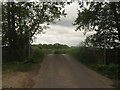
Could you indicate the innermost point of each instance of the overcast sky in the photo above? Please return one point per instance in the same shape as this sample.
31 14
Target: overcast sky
63 31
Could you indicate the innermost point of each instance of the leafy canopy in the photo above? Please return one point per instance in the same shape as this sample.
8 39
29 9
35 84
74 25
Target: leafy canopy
102 17
22 20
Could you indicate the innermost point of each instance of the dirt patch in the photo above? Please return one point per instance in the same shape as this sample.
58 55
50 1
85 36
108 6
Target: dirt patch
20 78
117 84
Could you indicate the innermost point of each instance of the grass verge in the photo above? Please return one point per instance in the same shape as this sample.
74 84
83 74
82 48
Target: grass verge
86 56
24 64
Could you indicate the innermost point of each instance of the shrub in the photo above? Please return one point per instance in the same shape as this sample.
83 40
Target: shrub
111 70
85 55
37 56
29 60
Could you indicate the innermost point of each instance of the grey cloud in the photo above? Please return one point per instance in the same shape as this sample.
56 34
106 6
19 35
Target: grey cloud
71 11
65 36
65 22
63 31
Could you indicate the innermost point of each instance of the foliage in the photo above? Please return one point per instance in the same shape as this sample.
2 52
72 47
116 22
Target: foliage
72 51
103 17
37 56
86 56
53 46
108 41
81 53
22 20
111 70
27 62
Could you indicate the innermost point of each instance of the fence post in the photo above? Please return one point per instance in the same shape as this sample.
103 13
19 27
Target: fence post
104 49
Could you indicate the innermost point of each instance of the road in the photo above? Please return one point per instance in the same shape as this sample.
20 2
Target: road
63 71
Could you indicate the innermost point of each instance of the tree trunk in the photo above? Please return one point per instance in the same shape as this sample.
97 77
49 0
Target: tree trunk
13 44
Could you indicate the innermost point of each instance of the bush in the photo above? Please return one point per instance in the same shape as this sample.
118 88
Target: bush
27 62
71 51
111 70
83 54
38 54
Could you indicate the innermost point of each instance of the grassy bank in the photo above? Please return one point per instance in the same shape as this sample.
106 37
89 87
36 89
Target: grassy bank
87 57
29 61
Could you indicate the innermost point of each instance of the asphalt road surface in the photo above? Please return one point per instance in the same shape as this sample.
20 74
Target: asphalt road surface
63 71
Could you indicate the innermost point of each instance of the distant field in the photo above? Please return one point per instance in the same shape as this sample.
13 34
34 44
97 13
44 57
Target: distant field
48 51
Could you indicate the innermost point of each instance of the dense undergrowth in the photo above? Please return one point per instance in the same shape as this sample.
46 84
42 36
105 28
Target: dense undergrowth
36 57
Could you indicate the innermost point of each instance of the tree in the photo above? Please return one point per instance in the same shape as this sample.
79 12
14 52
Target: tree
22 20
101 17
53 46
101 40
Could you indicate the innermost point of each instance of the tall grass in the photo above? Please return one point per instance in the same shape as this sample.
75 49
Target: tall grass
81 53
